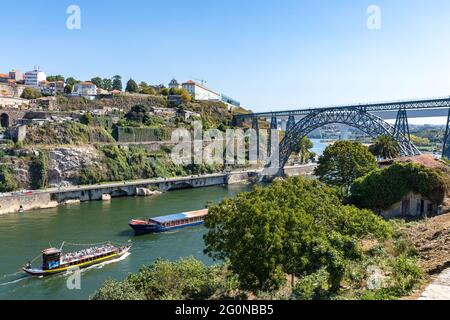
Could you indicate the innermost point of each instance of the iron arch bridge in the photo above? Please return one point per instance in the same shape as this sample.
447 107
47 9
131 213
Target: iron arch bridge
359 116
364 121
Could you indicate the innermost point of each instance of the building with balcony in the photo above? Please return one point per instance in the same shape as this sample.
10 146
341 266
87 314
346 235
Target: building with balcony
85 89
34 78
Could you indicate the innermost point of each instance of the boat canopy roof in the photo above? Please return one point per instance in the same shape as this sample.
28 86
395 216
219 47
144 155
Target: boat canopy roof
180 216
51 251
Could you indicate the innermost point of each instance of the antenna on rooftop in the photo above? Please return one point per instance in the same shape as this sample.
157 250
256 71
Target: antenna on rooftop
203 82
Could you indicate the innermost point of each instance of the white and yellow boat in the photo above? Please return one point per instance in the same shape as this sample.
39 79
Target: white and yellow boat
54 261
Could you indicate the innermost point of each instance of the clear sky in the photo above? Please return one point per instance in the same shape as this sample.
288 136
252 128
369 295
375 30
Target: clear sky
268 54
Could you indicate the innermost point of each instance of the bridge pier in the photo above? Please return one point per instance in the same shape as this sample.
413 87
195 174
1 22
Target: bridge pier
401 124
290 123
273 126
446 146
255 126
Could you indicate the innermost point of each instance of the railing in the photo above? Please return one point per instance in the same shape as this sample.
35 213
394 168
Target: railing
417 104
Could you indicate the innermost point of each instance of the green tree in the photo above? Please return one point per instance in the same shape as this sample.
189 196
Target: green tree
303 150
68 89
71 81
98 82
185 96
107 84
132 86
87 118
55 78
30 93
164 91
343 162
117 83
385 147
295 227
138 113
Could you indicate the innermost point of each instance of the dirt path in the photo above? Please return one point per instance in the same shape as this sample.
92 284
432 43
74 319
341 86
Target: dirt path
431 239
438 289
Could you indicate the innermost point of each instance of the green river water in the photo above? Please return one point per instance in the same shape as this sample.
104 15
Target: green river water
23 236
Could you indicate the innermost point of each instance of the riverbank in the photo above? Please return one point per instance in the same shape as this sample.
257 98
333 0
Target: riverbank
52 197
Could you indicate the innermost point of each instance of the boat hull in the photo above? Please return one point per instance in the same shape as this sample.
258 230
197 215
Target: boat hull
45 273
141 229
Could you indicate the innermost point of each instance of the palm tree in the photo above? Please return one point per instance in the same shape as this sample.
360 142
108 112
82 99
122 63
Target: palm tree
385 147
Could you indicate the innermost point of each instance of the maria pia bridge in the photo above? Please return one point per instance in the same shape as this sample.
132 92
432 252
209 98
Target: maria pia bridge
363 117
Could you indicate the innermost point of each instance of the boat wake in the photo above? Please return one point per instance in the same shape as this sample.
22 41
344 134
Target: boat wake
21 277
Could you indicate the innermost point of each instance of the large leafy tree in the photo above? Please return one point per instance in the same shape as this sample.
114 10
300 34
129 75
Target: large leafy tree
71 81
107 84
132 86
295 227
343 162
117 83
98 82
30 93
139 114
385 147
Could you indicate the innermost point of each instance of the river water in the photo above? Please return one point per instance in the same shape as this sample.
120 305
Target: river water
23 236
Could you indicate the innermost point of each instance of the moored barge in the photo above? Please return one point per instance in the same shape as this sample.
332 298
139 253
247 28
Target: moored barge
167 223
54 261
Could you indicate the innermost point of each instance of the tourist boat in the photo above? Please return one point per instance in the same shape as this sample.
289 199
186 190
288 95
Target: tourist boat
54 261
167 223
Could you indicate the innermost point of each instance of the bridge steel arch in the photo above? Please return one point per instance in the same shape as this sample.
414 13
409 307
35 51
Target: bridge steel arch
354 117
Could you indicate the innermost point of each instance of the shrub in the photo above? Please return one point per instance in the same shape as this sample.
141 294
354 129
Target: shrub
7 181
381 189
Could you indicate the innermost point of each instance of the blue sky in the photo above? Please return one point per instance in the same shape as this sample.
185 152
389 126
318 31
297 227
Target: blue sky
268 54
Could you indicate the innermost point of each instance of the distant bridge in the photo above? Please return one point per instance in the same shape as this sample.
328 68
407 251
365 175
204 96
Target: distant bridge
361 116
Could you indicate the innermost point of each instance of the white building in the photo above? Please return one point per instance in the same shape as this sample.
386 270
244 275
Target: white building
34 78
84 89
199 92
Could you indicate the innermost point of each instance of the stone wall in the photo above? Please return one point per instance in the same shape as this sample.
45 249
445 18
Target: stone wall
11 203
412 205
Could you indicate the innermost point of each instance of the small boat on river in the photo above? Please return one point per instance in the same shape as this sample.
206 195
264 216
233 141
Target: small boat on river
167 223
54 261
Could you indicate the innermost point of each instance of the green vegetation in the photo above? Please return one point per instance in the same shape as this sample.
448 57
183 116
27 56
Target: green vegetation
385 147
137 163
343 162
117 83
39 171
55 78
30 94
303 150
7 181
67 133
295 227
186 279
382 188
132 86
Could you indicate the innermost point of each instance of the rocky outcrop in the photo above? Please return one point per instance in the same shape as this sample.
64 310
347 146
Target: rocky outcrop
144 192
65 164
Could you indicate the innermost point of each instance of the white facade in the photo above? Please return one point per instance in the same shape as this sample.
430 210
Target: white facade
84 89
34 78
199 92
